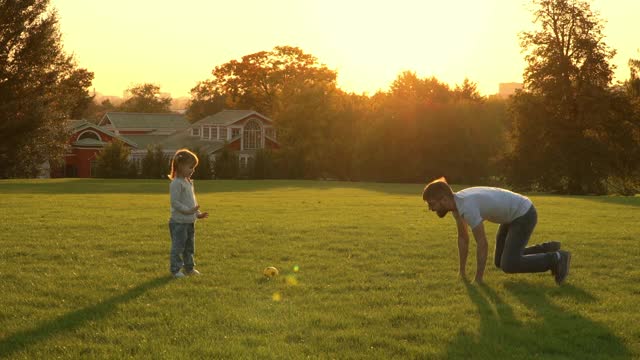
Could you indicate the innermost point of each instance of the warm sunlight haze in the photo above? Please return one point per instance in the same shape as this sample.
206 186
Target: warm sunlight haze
175 45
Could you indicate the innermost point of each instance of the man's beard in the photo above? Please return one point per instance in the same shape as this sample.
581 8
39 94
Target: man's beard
442 213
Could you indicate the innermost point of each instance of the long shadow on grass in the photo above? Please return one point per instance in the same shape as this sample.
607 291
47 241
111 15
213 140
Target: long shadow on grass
553 332
73 320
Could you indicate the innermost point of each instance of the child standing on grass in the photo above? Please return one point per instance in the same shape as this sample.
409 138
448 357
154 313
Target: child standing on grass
184 212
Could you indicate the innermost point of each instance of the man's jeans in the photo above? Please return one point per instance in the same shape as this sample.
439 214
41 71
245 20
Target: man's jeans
512 256
182 246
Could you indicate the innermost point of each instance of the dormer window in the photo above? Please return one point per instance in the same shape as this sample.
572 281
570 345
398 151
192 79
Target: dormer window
223 133
195 131
89 135
205 132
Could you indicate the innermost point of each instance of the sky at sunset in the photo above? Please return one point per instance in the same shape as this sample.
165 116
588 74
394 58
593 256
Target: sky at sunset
175 44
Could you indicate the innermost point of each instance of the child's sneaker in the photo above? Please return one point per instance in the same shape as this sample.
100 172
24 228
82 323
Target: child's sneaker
193 272
178 275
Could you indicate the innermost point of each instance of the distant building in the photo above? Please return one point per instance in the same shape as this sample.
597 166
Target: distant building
84 144
507 89
243 131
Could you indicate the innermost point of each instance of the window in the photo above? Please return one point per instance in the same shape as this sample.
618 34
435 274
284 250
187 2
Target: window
205 132
195 131
252 135
214 133
223 133
89 135
235 132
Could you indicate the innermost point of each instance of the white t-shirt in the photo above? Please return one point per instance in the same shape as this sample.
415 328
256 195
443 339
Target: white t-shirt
496 205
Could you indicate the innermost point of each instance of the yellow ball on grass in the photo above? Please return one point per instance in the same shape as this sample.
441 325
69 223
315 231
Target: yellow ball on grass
270 272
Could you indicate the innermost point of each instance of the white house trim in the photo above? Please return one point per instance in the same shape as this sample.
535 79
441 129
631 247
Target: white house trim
89 131
261 132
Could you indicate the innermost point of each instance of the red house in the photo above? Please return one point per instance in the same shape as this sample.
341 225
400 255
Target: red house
85 142
244 131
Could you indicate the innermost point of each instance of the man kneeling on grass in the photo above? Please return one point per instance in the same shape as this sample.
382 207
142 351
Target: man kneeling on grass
517 217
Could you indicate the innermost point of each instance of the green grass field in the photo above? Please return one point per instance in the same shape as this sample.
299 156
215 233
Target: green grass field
85 275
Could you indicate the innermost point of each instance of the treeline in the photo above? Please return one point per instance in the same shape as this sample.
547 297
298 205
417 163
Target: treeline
114 161
419 129
570 131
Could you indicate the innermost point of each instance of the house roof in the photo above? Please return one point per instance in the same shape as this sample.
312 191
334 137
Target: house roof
156 121
89 143
145 140
184 139
128 120
77 126
227 117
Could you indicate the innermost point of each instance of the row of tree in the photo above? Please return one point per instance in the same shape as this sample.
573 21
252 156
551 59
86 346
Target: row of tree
570 131
141 98
115 162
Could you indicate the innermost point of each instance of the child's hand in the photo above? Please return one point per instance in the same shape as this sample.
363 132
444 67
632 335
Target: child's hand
195 209
203 215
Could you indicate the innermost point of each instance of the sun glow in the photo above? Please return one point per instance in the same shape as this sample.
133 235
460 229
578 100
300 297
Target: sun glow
175 45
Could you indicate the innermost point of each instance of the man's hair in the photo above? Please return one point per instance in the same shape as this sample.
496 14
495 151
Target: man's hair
182 156
437 189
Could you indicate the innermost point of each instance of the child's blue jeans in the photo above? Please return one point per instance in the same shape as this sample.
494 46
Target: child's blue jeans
182 246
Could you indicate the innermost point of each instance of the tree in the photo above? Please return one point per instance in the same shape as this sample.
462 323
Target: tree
304 132
155 164
467 91
625 148
567 79
203 170
145 98
633 84
95 112
262 165
113 160
258 81
132 170
77 101
226 165
40 88
205 100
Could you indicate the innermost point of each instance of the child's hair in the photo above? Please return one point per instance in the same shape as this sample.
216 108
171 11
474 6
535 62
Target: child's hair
182 156
437 189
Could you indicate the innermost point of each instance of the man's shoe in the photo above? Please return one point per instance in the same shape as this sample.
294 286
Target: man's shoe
562 267
193 272
551 246
178 275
